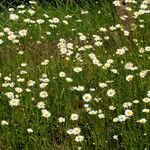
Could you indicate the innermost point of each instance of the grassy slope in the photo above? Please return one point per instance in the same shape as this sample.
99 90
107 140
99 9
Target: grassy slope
49 134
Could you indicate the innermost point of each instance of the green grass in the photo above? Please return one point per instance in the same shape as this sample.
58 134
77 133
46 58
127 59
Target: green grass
49 133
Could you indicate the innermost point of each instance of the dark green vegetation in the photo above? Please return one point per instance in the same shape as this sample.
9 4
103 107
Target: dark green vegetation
55 42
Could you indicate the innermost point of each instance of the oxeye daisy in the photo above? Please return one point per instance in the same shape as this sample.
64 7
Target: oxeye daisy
14 102
79 138
61 119
128 112
29 130
111 92
46 113
18 90
14 17
142 121
41 105
122 118
87 97
76 131
3 122
43 94
74 117
62 74
129 77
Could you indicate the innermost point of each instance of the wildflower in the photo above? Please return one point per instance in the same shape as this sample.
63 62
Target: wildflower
15 41
116 3
11 9
14 17
84 12
40 21
122 118
143 120
145 110
74 117
70 131
7 78
98 43
21 80
62 74
126 33
120 51
68 16
129 66
147 48
141 50
45 62
114 71
127 104
115 137
45 80
143 73
136 101
61 119
48 33
14 102
31 83
46 16
101 116
6 29
92 89
92 112
115 120
29 130
128 112
28 90
82 37
79 138
77 69
76 131
18 90
69 79
112 28
146 100
43 94
1 34
111 93
106 37
12 37
1 41
23 65
20 6
103 29
56 20
23 72
41 105
32 2
3 122
87 97
10 95
148 93
23 33
129 77
102 85
112 108
46 113
43 85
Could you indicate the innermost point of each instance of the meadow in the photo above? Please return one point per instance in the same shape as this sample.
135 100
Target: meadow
75 77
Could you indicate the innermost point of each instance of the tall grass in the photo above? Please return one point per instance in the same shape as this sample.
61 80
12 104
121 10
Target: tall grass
86 54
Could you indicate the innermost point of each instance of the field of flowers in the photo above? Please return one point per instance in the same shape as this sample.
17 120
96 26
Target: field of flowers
75 78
